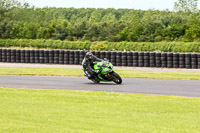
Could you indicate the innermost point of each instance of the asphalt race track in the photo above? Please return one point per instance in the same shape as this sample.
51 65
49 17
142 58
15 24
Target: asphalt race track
188 88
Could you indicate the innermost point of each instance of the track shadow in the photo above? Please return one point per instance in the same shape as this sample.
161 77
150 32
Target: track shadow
102 83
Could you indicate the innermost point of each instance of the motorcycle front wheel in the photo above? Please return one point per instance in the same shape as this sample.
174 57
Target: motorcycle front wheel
95 80
116 78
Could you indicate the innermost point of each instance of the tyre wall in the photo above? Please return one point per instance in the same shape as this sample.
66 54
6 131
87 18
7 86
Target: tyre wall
131 59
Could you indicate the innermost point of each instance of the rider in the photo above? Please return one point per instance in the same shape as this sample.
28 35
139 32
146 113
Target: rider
88 63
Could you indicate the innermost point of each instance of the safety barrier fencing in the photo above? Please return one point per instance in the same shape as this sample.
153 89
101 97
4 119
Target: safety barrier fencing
131 59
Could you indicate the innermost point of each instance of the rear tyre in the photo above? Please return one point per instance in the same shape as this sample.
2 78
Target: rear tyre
116 78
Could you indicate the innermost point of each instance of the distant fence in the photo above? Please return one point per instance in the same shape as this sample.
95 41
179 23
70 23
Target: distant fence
132 59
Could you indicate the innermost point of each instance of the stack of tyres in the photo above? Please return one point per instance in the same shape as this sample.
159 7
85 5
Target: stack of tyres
27 56
56 57
66 57
46 56
51 56
71 57
198 60
194 61
37 56
175 60
129 59
4 55
146 59
97 54
32 56
169 60
188 60
41 56
124 58
81 56
18 58
0 55
76 57
181 60
135 59
113 58
61 57
13 55
158 59
141 59
102 54
164 60
118 59
152 59
108 55
22 55
8 55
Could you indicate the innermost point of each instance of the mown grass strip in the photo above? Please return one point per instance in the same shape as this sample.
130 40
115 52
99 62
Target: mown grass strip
25 110
79 73
40 71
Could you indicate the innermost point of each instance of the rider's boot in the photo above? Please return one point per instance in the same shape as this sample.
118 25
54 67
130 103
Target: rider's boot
85 73
89 76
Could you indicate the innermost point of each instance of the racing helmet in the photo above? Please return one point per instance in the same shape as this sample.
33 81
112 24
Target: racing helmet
89 55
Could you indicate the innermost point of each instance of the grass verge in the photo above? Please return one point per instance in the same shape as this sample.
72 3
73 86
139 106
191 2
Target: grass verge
79 73
25 110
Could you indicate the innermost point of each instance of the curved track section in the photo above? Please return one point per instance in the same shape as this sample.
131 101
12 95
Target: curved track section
188 88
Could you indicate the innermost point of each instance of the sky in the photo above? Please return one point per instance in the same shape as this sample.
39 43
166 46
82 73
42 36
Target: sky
130 4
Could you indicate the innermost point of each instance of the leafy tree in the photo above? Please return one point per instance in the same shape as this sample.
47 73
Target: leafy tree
186 5
123 35
43 33
24 21
192 29
59 29
5 28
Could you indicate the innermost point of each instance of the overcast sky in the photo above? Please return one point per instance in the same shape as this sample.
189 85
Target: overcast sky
130 4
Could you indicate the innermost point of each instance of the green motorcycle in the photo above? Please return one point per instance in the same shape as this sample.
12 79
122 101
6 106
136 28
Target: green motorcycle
106 72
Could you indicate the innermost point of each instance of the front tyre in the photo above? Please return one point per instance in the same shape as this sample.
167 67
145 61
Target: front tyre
116 78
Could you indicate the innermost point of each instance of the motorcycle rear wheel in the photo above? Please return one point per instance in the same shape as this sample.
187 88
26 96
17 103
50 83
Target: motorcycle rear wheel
116 78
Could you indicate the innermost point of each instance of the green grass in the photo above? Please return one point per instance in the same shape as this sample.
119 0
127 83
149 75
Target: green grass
79 73
25 110
40 71
159 74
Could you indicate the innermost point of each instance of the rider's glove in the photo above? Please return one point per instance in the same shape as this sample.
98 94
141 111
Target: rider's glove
98 71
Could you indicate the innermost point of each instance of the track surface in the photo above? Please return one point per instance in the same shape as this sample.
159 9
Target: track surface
188 88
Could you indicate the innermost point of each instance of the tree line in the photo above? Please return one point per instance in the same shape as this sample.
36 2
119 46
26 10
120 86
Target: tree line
22 21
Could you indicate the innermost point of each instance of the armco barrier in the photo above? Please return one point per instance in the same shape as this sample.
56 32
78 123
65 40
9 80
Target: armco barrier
132 59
